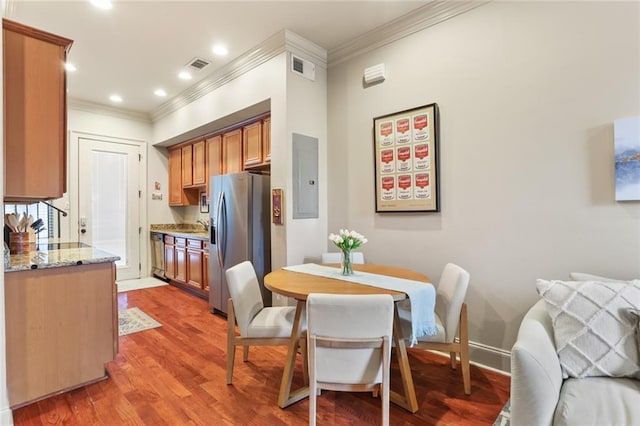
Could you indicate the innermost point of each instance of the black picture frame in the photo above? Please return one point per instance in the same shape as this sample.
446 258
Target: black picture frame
406 160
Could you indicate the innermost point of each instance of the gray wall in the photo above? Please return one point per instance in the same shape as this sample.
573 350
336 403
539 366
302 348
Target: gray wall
528 93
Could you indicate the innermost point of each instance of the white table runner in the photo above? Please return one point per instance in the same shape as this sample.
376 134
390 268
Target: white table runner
422 296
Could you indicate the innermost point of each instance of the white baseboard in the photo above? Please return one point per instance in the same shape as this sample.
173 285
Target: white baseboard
6 417
487 357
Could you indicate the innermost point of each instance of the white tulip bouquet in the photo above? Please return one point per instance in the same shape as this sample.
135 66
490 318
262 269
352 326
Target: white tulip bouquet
346 241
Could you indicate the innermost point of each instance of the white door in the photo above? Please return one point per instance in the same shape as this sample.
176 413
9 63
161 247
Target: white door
109 201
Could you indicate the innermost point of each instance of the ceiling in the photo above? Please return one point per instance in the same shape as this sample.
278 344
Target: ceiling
139 46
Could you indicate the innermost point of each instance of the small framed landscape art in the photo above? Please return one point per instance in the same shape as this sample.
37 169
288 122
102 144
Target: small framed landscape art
406 149
627 153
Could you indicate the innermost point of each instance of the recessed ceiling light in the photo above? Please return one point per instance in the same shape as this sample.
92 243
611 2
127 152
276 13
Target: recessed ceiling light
70 67
102 4
160 92
184 75
220 50
115 98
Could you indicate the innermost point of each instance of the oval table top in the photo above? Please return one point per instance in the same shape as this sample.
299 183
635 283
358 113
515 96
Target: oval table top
299 285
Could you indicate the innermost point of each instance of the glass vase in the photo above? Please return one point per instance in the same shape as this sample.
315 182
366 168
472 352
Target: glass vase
347 268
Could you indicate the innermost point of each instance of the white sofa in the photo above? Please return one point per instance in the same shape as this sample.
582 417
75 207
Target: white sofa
540 396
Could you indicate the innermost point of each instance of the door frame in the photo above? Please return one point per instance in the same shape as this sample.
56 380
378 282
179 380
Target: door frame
74 196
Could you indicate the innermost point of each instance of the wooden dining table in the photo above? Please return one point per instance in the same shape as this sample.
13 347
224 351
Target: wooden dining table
299 285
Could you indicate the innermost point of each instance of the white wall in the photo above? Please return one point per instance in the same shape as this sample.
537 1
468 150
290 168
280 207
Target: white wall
114 127
269 81
528 93
307 115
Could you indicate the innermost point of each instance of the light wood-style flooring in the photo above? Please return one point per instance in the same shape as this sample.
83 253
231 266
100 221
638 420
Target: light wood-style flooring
175 375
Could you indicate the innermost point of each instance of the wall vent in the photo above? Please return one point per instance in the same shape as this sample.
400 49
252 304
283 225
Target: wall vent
303 67
198 63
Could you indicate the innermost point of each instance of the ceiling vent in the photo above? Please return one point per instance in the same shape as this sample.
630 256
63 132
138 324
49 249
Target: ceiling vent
197 64
303 67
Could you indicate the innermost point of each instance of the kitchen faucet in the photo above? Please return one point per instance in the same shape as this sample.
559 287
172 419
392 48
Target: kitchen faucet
204 224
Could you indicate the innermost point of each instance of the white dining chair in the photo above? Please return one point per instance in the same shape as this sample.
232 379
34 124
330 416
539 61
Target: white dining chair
451 315
258 325
349 342
357 257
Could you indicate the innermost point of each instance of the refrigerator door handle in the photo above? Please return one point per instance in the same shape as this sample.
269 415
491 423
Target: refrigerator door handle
220 230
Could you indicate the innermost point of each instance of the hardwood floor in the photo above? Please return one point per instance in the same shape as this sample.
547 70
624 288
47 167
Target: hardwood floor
175 374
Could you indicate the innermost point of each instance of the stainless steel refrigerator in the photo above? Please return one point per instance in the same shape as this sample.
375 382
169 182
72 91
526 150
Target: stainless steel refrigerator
240 230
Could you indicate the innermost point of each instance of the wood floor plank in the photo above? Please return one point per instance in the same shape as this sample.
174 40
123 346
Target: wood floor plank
175 375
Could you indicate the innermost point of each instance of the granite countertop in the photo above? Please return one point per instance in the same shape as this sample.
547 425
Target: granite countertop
185 230
55 255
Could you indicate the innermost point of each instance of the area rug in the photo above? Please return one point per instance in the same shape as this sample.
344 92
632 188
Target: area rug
147 282
133 320
504 418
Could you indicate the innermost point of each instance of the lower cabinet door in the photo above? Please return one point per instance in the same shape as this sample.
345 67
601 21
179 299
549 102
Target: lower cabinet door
181 265
195 268
170 261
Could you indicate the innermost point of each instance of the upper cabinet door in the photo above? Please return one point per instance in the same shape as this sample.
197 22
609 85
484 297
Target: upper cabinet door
232 152
175 177
187 166
199 172
266 139
214 158
252 144
35 113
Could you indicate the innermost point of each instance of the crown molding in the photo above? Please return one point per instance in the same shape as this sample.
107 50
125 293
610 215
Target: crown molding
86 106
278 43
297 44
424 17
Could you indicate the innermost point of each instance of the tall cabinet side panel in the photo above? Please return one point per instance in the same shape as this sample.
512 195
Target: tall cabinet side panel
261 232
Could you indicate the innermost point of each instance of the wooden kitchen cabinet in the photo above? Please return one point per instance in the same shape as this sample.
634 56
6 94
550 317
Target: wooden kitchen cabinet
256 138
35 113
187 165
252 144
178 195
186 264
175 177
61 329
198 163
181 260
214 159
169 257
266 140
195 260
193 164
232 152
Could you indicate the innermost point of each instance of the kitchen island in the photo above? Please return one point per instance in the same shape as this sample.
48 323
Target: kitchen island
61 320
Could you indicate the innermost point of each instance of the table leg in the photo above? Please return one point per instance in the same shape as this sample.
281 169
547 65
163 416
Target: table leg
408 400
286 397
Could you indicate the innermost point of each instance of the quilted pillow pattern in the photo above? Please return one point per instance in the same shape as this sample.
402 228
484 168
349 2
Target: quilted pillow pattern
593 329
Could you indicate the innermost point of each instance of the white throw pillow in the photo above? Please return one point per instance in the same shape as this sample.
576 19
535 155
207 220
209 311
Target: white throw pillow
581 276
593 328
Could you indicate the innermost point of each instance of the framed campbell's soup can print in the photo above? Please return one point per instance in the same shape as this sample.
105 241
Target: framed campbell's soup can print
406 149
